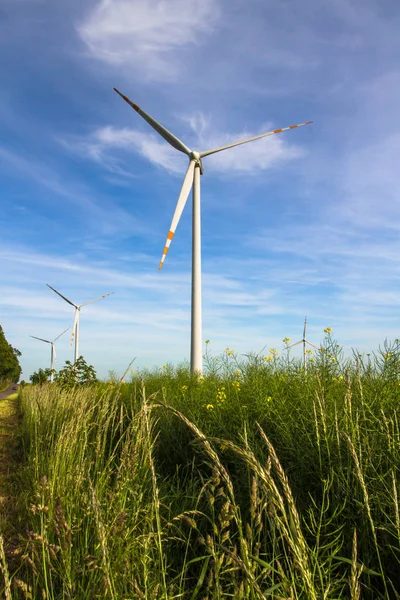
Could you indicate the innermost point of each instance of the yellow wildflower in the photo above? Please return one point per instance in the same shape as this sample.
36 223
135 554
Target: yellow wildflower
328 330
273 351
286 340
221 395
308 351
209 407
184 388
388 355
207 341
268 358
236 385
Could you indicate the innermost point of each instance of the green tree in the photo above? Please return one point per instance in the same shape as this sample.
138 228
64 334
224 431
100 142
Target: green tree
41 376
79 373
10 369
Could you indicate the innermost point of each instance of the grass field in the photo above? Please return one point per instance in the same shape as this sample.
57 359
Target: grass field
256 481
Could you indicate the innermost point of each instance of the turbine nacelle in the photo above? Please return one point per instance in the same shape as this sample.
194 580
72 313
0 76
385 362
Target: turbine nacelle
196 157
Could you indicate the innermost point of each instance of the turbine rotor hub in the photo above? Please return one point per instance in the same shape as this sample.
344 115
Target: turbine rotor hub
196 157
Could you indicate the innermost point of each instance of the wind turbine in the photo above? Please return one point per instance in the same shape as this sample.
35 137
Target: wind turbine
303 341
75 326
192 179
53 350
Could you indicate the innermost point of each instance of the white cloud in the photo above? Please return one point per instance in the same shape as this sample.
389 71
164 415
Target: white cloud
109 146
148 317
260 155
148 145
145 34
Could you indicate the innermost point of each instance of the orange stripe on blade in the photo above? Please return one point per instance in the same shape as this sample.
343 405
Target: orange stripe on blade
170 235
277 130
165 250
135 106
160 266
293 126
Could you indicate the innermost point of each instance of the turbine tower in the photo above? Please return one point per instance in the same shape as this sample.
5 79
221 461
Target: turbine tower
192 179
75 326
303 341
53 350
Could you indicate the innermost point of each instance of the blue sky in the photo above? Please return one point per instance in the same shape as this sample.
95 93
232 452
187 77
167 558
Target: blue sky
303 223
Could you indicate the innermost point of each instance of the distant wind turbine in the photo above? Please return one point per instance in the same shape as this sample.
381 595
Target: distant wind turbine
53 350
192 179
303 341
75 326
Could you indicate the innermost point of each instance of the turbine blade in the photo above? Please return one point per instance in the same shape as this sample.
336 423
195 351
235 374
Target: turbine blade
293 345
95 299
252 139
305 328
54 350
63 297
41 339
183 196
60 335
74 325
313 345
167 135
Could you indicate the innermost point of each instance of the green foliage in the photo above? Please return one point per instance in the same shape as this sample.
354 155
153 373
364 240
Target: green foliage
79 373
10 369
41 376
255 481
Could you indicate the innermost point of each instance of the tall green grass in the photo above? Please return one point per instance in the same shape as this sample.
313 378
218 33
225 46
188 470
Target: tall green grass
256 481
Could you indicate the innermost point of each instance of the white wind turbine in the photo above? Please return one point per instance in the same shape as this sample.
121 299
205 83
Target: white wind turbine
192 178
303 341
75 326
53 350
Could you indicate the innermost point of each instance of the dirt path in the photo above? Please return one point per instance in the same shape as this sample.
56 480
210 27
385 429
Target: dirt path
8 458
9 464
12 389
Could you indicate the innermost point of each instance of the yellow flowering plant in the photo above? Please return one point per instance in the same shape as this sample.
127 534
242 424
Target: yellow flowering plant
221 395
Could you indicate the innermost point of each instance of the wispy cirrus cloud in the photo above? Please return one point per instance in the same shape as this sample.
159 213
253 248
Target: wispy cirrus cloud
146 312
146 34
109 146
102 214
